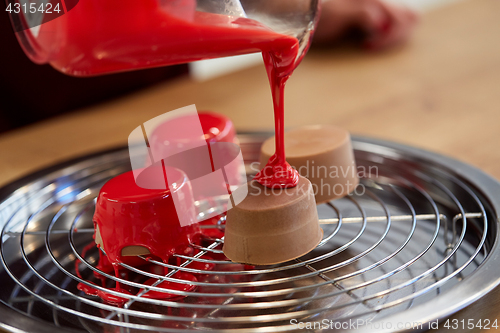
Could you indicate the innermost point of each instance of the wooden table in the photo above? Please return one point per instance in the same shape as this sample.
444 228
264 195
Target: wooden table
441 92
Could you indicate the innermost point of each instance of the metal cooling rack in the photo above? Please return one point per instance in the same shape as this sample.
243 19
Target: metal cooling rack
413 245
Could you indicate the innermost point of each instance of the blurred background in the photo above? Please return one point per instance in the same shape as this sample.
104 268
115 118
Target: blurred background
434 85
30 93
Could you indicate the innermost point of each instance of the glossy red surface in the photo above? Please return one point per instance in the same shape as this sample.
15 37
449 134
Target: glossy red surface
199 150
106 267
126 35
217 127
105 296
177 132
90 288
127 215
99 37
277 173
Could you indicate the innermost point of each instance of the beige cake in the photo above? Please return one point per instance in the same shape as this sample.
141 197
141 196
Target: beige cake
324 155
272 225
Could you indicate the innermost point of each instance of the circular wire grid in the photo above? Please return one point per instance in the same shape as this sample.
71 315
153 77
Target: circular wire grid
413 232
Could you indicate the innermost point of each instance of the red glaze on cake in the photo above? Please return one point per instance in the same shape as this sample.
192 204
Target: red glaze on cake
217 127
128 215
130 220
89 288
182 135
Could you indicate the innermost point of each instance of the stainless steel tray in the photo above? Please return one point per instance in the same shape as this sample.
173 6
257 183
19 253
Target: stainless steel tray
417 243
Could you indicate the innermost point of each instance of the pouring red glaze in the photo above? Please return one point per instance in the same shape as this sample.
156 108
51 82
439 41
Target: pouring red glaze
280 64
127 217
98 37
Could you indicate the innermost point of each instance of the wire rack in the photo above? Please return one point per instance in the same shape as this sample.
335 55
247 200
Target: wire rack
416 234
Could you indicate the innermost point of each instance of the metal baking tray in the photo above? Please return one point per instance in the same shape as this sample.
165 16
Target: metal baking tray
417 242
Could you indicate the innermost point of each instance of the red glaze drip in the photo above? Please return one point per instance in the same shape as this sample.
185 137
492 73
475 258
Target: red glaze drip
105 296
105 266
89 290
128 215
280 64
114 299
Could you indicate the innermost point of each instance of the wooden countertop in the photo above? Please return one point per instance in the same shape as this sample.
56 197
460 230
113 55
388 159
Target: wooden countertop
440 92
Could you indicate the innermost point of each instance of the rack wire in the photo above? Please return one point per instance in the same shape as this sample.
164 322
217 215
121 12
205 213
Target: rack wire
412 231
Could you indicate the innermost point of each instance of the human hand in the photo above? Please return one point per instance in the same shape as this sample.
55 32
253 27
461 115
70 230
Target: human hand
383 24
